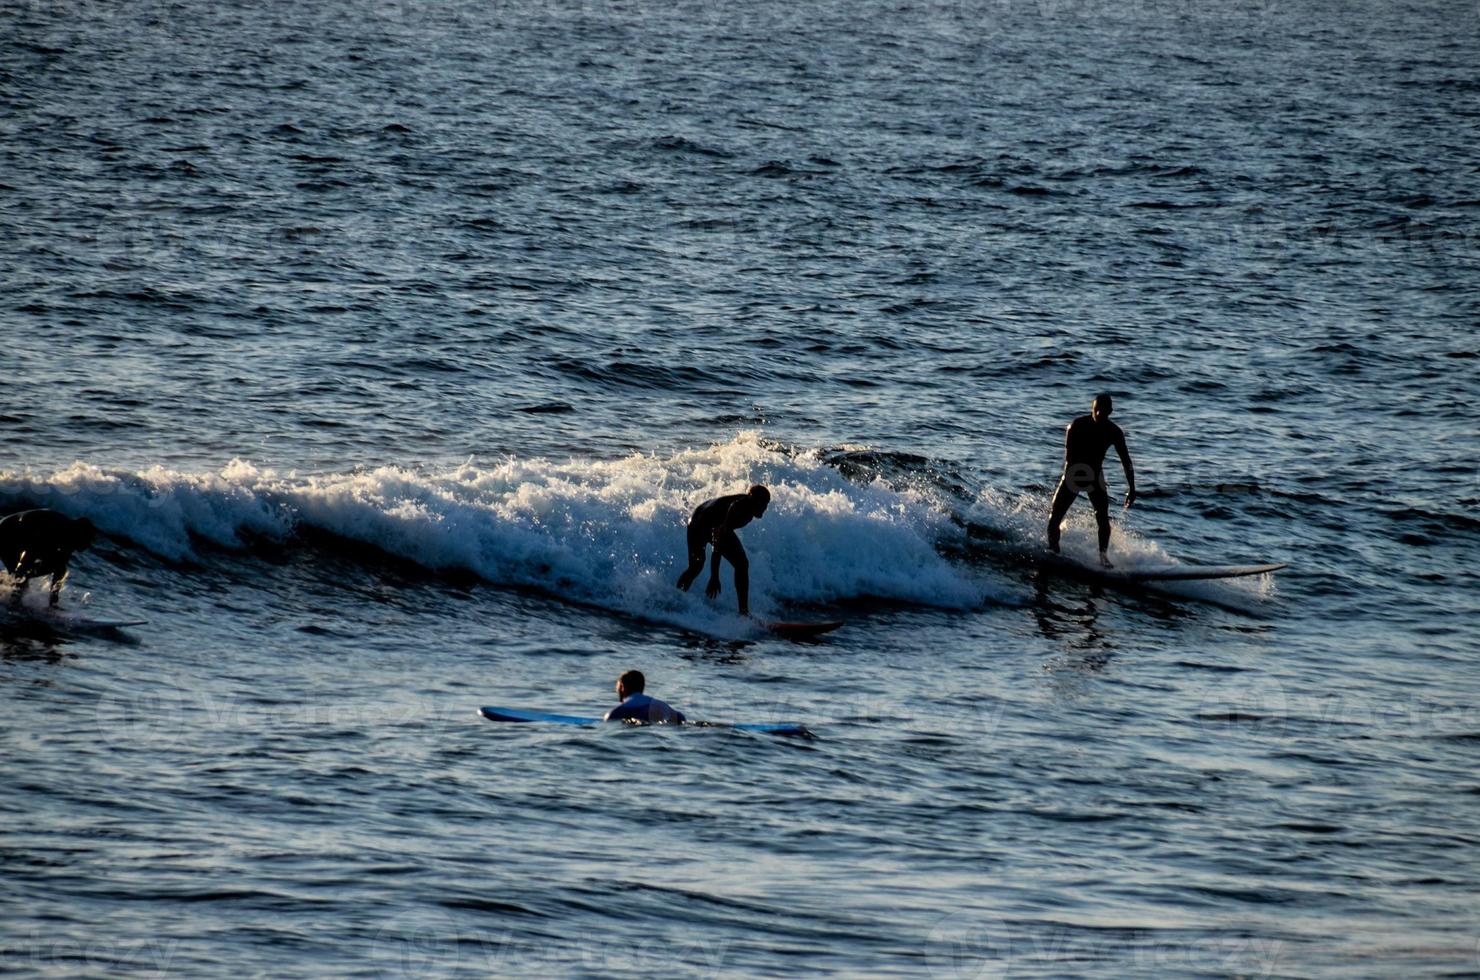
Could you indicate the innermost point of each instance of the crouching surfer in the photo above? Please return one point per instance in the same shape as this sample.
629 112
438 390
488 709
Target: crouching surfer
715 522
38 543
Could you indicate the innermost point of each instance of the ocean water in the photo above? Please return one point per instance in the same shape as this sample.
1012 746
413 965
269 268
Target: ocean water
388 344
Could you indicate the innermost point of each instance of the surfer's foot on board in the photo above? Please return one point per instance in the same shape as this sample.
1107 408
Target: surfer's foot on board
1105 561
1053 546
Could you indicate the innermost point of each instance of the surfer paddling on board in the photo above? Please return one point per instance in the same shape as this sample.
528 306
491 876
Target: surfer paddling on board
715 522
38 543
637 706
1086 441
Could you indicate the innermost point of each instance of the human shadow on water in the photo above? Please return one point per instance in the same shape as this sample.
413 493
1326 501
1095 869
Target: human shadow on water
716 651
31 641
1068 614
1072 625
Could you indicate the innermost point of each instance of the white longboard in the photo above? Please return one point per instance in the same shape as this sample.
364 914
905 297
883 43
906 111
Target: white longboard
1163 573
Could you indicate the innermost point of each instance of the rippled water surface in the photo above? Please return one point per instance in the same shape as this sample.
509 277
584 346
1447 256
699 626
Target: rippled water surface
390 343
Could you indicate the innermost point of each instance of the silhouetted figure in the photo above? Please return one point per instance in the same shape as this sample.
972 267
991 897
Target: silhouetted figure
715 522
637 706
38 543
1086 441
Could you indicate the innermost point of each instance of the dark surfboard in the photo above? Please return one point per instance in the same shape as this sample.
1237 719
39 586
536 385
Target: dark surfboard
804 631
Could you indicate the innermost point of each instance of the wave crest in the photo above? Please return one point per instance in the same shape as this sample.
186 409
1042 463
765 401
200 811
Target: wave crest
608 532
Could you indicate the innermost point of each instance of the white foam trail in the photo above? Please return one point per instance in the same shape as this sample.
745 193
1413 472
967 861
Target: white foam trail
609 532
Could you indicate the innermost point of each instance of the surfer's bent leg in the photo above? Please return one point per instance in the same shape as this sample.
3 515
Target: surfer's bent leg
1062 498
729 546
22 569
696 559
1099 496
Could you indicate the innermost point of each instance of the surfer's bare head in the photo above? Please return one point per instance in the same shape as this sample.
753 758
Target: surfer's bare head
83 533
759 498
630 683
1101 407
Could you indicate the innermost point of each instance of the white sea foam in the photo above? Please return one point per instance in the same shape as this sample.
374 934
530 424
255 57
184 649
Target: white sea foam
609 532
157 509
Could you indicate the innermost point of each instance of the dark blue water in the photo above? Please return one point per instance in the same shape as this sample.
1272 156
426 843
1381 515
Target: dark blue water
389 344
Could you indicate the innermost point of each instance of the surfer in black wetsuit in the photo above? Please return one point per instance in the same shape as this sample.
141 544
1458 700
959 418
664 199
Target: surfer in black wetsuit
637 706
1086 441
714 522
38 543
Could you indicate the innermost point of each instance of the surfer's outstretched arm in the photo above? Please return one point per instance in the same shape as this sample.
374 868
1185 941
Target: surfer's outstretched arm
1130 469
712 589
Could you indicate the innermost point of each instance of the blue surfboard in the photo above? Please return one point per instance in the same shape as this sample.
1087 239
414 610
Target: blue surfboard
521 715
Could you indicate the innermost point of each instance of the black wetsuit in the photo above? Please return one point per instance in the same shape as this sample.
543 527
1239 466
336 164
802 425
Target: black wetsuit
35 544
723 514
641 708
1085 444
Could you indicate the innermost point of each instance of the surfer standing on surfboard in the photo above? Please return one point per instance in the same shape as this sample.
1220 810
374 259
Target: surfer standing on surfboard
1086 441
715 522
38 543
